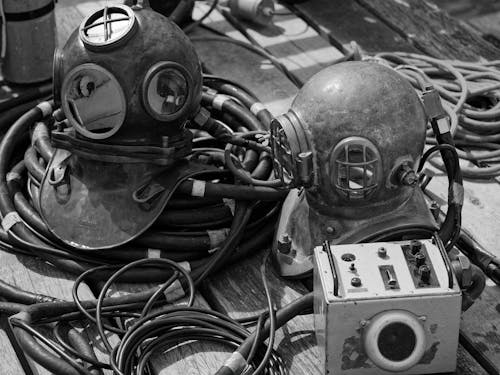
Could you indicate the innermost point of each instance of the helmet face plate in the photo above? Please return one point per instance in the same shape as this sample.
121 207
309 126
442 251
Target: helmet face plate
166 90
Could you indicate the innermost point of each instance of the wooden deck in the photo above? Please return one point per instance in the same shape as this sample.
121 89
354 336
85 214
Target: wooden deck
304 48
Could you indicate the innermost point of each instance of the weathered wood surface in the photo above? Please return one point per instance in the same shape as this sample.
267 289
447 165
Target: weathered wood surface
343 21
36 276
238 290
398 25
489 26
481 218
290 39
482 199
432 30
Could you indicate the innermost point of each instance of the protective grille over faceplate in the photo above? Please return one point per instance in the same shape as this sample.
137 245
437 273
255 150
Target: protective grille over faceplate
355 163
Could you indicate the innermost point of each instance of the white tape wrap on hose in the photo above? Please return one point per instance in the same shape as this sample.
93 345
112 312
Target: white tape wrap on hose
236 363
256 108
174 291
154 253
13 176
11 219
198 189
229 203
217 237
45 107
219 101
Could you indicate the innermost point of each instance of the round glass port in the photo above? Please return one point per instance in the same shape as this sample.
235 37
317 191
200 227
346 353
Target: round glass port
166 91
396 341
93 101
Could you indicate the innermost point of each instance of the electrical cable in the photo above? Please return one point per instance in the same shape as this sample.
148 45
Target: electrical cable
187 29
150 331
252 48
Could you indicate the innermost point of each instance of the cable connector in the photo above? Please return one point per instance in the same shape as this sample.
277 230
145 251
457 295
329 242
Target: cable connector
435 110
234 365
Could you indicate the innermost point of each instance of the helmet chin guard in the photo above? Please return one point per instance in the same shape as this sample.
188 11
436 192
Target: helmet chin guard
90 204
350 145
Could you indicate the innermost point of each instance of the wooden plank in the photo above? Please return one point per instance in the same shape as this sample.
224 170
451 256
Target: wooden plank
489 25
39 277
481 324
480 217
10 364
466 365
343 21
192 358
257 75
431 30
290 39
239 293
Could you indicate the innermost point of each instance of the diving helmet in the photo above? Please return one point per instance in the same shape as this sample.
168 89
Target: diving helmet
349 146
127 82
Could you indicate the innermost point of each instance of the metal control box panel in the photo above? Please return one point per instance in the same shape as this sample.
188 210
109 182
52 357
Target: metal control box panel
385 308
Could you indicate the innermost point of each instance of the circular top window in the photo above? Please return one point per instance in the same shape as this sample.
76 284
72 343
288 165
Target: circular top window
108 27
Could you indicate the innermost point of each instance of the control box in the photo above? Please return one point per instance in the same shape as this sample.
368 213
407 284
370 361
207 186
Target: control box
385 308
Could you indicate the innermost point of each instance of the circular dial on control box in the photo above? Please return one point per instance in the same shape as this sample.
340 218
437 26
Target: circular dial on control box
394 340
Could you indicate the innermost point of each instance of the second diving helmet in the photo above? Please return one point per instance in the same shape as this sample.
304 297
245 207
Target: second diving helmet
127 81
350 145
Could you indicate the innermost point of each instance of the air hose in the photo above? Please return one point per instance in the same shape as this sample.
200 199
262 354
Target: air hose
191 228
193 238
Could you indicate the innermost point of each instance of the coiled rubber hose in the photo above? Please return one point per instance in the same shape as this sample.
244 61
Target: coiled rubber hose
233 217
471 96
194 237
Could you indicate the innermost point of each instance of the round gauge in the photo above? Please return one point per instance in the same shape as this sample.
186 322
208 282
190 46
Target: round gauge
93 101
108 27
166 91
